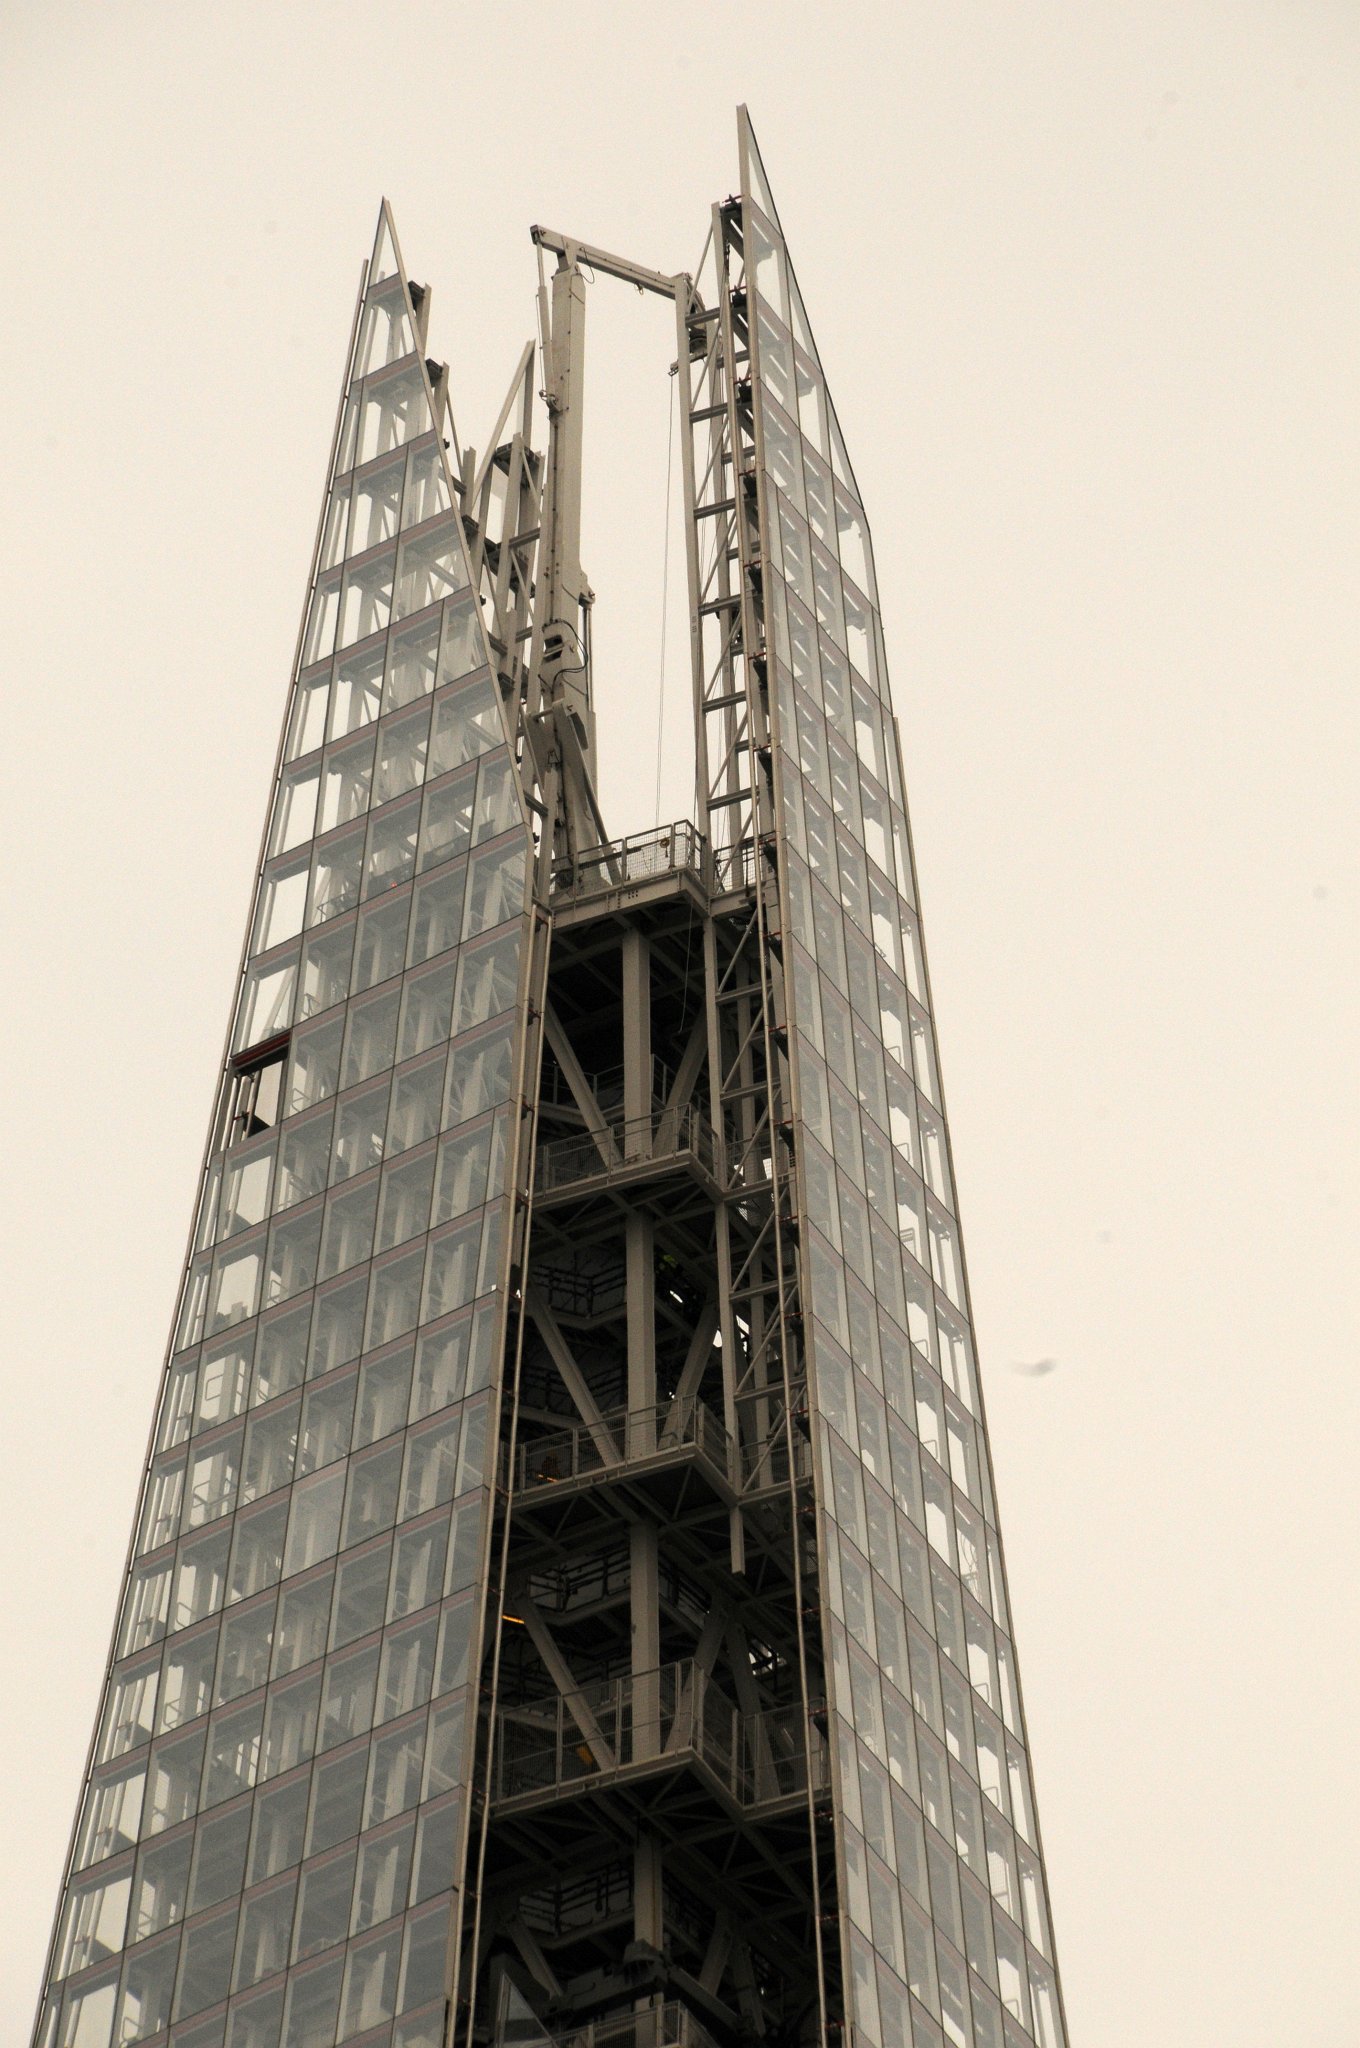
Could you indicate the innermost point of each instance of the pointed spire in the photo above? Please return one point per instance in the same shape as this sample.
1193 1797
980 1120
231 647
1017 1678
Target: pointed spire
884 1294
392 544
754 182
386 261
789 371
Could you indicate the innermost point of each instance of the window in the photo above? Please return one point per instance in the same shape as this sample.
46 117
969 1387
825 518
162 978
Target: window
256 1095
416 1092
266 1003
162 1885
96 1916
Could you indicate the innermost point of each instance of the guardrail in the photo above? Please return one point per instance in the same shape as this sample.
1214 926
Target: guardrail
733 867
606 1086
563 1741
669 849
660 2026
641 858
661 1135
577 1450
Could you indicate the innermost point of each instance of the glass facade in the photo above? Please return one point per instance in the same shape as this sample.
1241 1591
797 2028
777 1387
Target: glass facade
944 1911
275 1808
274 1827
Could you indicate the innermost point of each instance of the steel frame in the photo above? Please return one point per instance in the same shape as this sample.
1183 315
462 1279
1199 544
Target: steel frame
654 1275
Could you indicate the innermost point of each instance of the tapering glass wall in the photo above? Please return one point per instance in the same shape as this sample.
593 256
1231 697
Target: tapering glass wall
942 1881
275 1807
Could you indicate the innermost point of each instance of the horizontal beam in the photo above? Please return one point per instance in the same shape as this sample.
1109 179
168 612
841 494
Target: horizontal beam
679 286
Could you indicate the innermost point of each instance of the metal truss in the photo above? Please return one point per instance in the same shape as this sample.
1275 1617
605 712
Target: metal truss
652 1726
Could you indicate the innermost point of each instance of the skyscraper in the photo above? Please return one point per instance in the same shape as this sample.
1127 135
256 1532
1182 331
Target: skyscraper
566 1603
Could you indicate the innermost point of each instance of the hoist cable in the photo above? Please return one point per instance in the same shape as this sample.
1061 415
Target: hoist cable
665 596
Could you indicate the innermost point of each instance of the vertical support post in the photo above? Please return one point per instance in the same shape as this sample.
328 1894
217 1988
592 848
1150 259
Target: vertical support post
640 1267
727 1327
645 1619
637 1044
648 1915
638 1234
684 310
559 696
561 646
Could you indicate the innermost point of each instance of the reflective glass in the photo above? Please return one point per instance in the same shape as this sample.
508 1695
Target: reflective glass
313 1472
924 1682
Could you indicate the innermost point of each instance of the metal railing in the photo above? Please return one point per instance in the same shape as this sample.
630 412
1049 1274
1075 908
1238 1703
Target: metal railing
661 2026
601 1575
579 1450
606 1086
662 1134
641 858
582 1290
733 867
576 1450
552 1744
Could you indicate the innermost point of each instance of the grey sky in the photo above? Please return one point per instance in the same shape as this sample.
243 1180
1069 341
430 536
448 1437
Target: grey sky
1083 278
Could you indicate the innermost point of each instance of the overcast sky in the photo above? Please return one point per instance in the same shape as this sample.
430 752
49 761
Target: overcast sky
1084 281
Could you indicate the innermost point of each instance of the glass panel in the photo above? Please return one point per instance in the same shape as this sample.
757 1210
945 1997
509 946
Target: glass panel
381 946
488 975
293 1246
294 809
393 410
349 1228
371 1037
247 1188
346 779
495 886
884 1262
405 1211
467 722
401 754
304 1151
462 646
267 1541
497 800
358 691
325 970
392 847
360 1122
431 568
412 663
437 916
427 493
336 528
235 1286
266 1003
366 598
321 623
415 1101
377 503
335 876
314 1072
384 262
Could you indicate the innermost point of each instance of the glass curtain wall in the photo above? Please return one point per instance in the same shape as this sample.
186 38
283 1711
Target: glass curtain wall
275 1806
947 1929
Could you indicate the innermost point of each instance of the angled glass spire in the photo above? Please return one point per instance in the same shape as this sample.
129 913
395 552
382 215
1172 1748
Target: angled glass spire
566 1606
944 1917
275 1810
